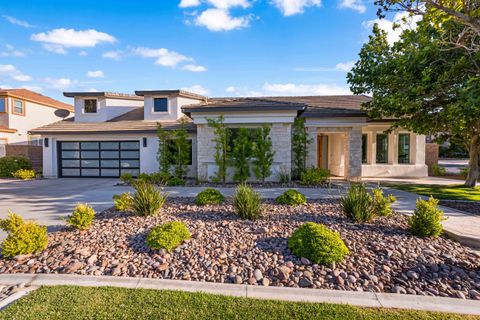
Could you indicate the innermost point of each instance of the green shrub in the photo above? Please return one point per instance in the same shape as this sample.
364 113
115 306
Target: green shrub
247 203
314 176
82 216
10 164
159 178
318 244
148 199
284 176
292 198
426 219
23 237
175 181
167 236
209 196
123 202
381 205
145 177
438 171
357 204
24 174
126 178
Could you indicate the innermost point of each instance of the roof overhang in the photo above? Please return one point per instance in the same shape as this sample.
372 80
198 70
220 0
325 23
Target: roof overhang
111 95
171 93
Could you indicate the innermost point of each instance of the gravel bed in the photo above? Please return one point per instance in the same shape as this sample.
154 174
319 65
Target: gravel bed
467 206
384 256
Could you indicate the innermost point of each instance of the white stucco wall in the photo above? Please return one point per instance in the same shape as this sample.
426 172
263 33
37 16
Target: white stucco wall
107 108
174 108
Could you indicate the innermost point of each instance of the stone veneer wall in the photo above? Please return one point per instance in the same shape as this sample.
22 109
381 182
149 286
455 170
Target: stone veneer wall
353 153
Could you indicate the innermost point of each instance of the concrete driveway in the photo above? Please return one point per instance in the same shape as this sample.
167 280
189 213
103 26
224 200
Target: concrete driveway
48 201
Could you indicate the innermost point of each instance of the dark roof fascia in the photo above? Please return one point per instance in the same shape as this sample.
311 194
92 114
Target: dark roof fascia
53 133
192 109
180 93
101 94
309 114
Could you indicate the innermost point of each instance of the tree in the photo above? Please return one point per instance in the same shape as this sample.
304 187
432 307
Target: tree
242 151
222 148
164 155
300 143
181 151
263 153
423 84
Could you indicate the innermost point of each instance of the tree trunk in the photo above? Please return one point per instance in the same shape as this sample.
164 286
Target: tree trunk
473 151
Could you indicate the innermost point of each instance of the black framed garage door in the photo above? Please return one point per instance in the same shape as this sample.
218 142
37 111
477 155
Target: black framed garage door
98 158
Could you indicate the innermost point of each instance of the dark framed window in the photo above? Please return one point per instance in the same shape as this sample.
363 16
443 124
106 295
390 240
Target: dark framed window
3 105
160 104
173 150
90 106
382 148
404 148
18 107
364 148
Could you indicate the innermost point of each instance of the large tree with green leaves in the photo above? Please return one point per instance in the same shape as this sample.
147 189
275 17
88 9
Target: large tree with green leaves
424 84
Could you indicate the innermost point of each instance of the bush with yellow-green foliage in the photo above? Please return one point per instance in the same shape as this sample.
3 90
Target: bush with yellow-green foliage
167 236
292 198
82 216
24 174
123 202
427 218
23 237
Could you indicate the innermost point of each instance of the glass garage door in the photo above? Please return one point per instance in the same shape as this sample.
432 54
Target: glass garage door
98 158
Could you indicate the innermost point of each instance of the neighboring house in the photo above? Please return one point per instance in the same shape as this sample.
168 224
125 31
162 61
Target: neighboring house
22 110
113 133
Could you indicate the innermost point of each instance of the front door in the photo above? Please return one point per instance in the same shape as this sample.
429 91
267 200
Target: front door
322 152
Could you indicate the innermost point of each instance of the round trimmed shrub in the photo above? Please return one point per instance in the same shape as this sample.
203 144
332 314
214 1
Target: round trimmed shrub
209 196
82 216
318 244
10 164
167 236
292 198
123 202
426 220
23 237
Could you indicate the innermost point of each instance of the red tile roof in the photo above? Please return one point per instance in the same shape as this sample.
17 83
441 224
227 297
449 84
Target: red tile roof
36 98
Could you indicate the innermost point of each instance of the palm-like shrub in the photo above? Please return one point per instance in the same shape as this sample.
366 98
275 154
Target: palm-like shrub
247 202
318 244
357 204
82 216
23 237
426 219
292 198
209 196
167 236
126 178
148 199
123 202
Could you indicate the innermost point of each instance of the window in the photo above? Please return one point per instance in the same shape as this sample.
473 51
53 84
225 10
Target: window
90 106
404 148
382 148
18 107
3 106
173 151
160 105
364 148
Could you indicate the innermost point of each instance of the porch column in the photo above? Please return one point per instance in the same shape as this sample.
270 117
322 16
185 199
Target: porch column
312 147
353 154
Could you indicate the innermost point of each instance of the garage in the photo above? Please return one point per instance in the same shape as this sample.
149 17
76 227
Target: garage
98 158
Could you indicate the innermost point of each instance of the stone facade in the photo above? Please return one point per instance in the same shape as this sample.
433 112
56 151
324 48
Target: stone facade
353 153
205 150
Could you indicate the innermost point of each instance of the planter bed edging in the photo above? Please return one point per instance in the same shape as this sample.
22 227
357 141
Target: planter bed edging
361 299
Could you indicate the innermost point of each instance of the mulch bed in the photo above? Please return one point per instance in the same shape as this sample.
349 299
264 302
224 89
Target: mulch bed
383 257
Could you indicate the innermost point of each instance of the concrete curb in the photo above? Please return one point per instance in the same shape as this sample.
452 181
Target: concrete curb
17 295
361 299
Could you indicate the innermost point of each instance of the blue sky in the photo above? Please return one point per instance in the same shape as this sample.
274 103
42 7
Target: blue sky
213 47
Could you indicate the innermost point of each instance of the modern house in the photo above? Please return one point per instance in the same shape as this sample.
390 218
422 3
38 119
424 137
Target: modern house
116 133
22 110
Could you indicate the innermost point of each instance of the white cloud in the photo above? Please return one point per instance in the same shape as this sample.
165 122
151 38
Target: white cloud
10 51
95 74
291 89
230 89
61 83
291 7
356 5
83 53
11 72
197 89
221 20
189 3
194 68
92 90
226 4
18 22
57 40
345 66
404 21
164 57
115 55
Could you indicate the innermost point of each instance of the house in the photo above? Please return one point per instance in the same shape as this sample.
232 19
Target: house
116 133
22 110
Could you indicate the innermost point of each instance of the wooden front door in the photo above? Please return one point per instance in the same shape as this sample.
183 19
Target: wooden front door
322 152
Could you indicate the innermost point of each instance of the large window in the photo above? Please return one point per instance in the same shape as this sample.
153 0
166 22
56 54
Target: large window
3 106
160 104
364 148
90 106
404 148
382 148
18 107
174 151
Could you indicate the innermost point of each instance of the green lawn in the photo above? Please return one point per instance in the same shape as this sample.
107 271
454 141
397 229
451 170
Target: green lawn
449 192
69 302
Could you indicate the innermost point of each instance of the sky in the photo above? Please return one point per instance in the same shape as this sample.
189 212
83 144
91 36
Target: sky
211 47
